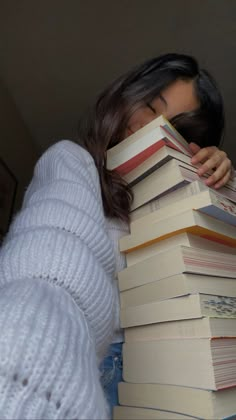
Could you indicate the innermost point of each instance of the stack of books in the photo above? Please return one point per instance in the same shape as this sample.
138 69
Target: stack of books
178 292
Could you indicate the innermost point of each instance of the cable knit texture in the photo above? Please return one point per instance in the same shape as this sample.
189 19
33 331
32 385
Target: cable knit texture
58 298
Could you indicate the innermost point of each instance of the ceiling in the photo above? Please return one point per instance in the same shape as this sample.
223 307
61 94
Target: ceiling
56 55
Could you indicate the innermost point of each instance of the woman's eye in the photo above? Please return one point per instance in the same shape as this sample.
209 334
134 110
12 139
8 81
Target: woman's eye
151 108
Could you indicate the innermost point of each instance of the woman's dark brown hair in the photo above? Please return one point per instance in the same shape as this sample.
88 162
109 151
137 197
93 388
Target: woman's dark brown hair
105 123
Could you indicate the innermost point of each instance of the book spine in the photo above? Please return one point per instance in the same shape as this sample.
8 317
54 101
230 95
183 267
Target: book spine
207 202
190 328
190 175
173 362
187 307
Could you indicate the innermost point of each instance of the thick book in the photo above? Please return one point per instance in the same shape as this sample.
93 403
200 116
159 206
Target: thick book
159 158
186 191
199 362
199 403
191 221
208 202
185 238
177 260
185 328
136 148
137 413
178 285
169 177
155 161
183 307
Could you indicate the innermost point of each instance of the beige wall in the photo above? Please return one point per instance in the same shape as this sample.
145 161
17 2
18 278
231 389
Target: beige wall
16 146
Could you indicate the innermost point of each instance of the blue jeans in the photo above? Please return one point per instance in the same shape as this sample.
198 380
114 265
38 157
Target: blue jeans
111 373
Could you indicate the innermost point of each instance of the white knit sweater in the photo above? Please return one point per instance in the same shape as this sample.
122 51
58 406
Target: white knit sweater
59 306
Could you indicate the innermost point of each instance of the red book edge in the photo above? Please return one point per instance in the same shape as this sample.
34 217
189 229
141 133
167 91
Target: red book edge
136 160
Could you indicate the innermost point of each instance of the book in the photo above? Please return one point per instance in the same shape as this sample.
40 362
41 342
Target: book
191 221
208 202
136 148
134 413
183 307
169 177
178 285
199 362
159 158
200 403
182 193
184 328
185 238
177 260
155 161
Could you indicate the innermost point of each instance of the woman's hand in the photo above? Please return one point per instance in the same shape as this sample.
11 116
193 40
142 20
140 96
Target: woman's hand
211 158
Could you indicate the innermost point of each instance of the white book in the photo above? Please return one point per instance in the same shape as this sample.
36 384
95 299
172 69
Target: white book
177 260
184 328
208 202
159 158
132 151
155 161
178 285
200 403
169 177
183 307
134 413
199 362
172 197
191 221
184 238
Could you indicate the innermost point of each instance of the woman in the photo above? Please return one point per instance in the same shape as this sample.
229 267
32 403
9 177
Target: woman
174 86
59 305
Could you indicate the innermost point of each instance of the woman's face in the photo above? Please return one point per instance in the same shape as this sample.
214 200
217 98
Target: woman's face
177 98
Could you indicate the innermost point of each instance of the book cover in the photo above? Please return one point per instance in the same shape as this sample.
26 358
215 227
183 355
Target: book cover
161 156
178 285
170 177
185 238
184 328
184 307
132 151
207 201
187 191
202 363
190 221
177 260
200 403
135 413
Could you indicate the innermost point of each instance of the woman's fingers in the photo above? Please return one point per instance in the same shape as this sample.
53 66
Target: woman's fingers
212 159
194 148
219 177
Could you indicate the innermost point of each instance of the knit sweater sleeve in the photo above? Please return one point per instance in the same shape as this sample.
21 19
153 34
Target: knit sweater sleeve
59 244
